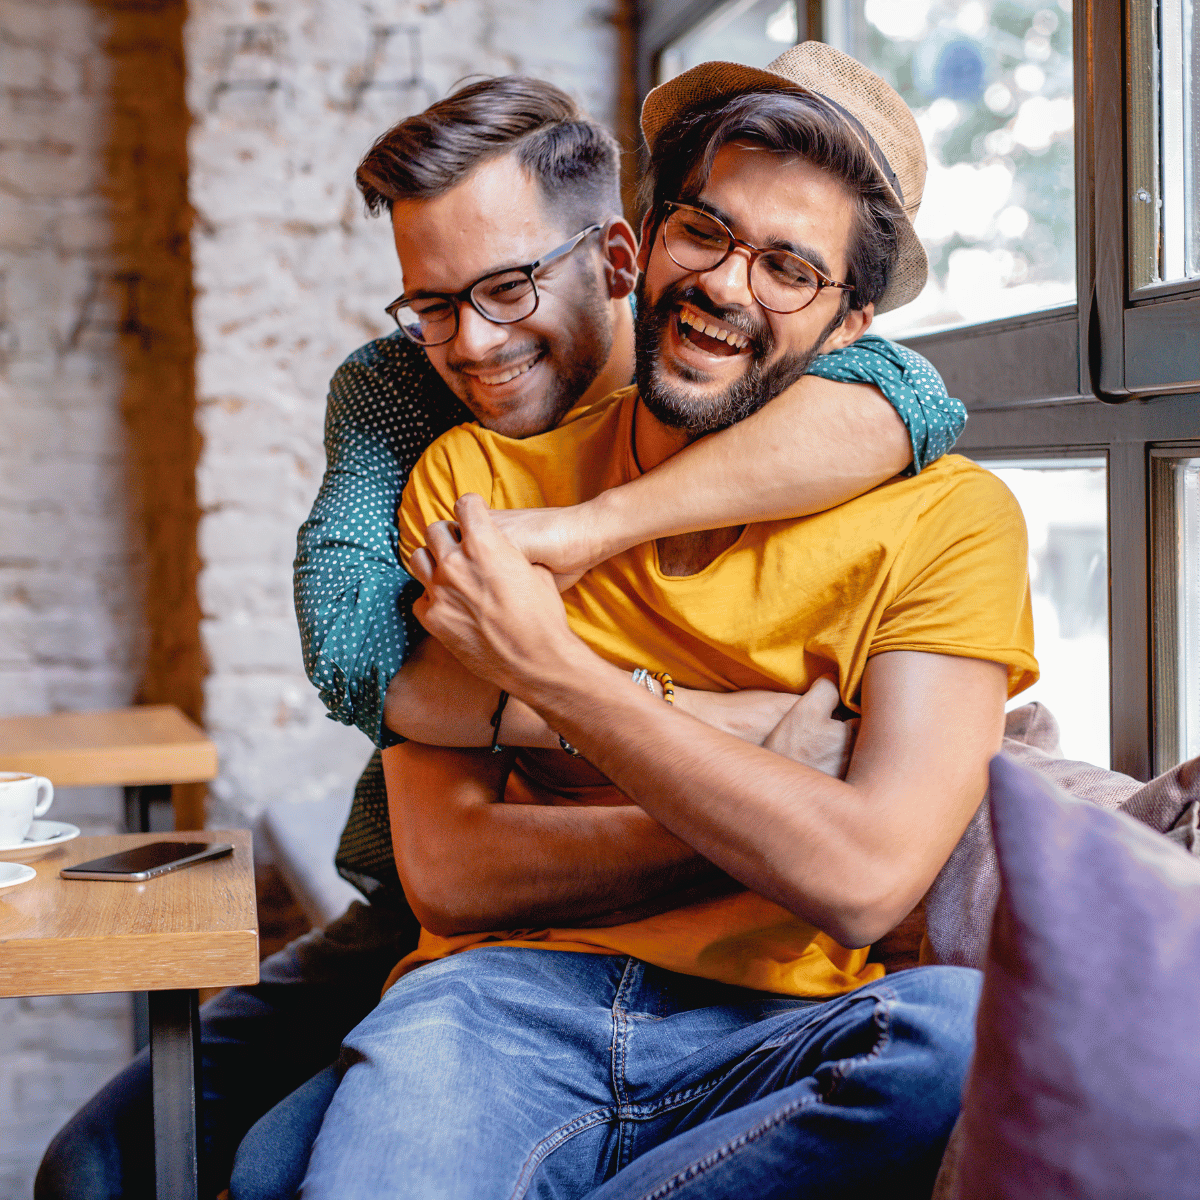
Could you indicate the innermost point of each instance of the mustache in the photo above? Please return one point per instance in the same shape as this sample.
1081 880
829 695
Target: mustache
737 318
488 365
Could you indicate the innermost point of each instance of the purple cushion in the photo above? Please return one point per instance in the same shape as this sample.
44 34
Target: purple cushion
1086 1079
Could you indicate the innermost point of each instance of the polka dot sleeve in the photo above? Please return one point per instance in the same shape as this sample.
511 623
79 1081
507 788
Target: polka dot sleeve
353 599
912 386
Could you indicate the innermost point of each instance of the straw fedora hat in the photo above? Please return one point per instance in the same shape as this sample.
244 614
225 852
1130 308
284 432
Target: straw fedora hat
872 110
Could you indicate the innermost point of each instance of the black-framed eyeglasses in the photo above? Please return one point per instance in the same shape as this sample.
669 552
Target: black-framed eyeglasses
502 297
782 282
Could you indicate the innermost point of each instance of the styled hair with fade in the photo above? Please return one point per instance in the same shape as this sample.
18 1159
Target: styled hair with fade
575 160
789 123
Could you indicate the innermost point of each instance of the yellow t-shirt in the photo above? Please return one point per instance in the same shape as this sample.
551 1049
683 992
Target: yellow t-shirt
934 563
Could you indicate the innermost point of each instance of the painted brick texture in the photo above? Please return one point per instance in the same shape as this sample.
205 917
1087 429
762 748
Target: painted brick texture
291 276
70 562
161 448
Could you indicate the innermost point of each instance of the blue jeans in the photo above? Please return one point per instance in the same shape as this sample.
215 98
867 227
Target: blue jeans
503 1073
258 1044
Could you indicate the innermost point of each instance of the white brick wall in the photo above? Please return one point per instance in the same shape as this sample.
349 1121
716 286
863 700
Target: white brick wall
70 625
291 277
70 563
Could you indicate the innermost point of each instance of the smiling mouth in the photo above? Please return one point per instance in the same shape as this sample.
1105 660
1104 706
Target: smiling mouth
506 374
712 339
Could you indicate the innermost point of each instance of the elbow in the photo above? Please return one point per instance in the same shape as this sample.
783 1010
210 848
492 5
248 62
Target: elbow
861 918
442 920
857 930
435 906
440 899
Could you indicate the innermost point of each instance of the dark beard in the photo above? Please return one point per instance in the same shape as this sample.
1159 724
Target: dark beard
762 381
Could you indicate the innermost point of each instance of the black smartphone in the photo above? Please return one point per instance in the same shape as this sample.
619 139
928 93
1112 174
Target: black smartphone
144 862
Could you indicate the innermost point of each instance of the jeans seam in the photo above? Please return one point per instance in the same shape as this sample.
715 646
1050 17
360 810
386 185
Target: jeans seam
886 999
619 1055
552 1142
675 1099
701 1166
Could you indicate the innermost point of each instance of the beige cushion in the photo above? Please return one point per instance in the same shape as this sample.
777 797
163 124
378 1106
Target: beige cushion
959 905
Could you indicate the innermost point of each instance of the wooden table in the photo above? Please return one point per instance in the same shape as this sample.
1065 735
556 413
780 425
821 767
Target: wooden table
195 927
144 749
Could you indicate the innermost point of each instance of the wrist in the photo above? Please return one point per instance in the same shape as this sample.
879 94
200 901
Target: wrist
614 524
693 702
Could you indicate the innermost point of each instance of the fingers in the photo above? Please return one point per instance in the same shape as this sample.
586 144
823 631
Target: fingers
441 538
475 519
420 567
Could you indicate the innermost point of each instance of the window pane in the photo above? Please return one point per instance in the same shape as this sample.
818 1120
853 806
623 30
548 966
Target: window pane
1172 46
753 32
1187 513
1066 510
991 84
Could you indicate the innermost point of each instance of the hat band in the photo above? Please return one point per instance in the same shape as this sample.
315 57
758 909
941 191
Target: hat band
872 145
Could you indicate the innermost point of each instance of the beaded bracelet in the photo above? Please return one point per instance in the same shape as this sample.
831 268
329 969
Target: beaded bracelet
668 684
641 678
562 741
497 717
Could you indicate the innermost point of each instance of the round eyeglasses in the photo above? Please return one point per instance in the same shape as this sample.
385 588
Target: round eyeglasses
502 297
782 282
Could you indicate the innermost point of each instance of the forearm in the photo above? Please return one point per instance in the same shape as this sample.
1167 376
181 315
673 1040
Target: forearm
662 761
433 699
469 863
852 856
814 446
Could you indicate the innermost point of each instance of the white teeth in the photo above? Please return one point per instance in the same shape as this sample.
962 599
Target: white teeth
738 340
504 377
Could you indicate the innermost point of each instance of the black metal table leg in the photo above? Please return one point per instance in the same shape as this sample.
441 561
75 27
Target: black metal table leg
148 808
175 1067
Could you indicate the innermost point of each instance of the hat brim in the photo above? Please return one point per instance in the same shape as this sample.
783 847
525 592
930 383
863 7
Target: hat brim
719 80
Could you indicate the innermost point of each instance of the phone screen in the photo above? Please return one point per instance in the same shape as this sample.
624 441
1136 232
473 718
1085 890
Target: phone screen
142 858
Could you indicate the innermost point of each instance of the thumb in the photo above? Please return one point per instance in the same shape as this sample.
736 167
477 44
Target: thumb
822 697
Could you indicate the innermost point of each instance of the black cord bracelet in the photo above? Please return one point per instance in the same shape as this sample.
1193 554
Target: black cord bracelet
497 717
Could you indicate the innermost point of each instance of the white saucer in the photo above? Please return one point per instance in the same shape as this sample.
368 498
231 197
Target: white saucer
12 874
42 834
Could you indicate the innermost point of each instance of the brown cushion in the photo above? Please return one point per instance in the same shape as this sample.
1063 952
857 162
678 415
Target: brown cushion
959 905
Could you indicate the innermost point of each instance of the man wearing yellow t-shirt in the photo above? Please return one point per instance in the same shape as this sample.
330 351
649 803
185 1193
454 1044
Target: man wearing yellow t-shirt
738 1043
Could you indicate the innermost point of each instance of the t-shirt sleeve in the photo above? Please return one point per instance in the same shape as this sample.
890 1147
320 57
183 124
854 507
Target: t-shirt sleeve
353 598
962 582
911 385
453 466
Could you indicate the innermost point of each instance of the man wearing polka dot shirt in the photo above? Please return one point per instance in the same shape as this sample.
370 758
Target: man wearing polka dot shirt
832 435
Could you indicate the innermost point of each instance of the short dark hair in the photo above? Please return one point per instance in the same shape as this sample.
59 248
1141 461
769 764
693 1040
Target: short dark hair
575 160
791 123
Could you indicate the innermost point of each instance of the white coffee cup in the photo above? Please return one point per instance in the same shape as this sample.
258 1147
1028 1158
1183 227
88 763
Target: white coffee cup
22 797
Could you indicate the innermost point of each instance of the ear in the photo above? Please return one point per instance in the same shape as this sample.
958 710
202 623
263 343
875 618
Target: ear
619 247
857 321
